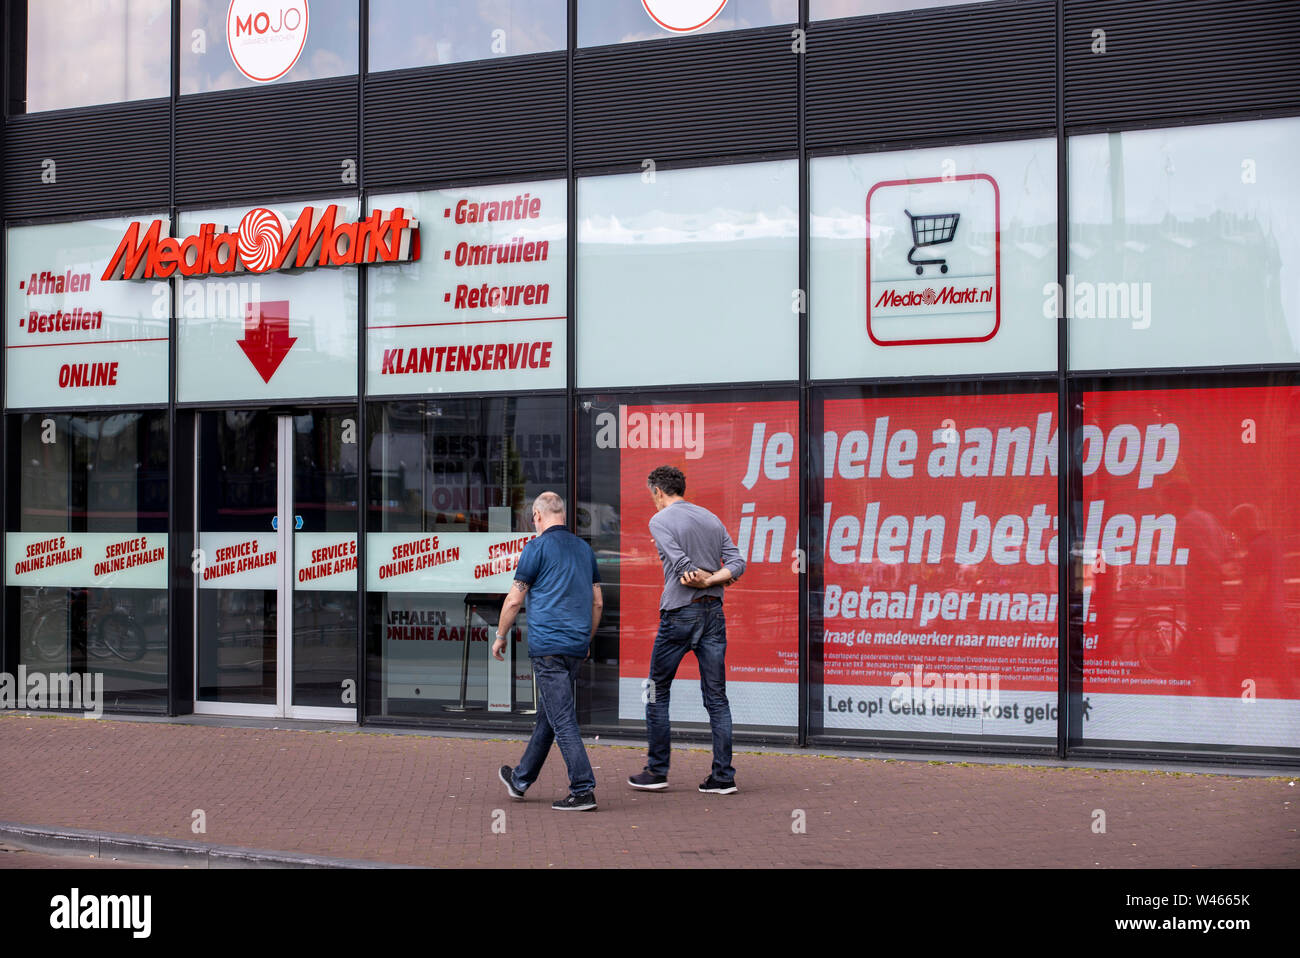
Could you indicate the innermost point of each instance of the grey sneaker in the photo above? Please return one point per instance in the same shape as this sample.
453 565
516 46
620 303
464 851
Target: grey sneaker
507 775
646 780
586 802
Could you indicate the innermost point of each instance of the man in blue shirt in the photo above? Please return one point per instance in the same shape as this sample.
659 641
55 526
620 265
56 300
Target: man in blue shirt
557 572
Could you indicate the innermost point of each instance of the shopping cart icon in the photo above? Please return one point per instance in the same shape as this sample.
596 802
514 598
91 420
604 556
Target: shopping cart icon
931 230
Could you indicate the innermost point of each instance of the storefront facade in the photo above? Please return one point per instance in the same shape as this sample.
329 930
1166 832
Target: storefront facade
978 324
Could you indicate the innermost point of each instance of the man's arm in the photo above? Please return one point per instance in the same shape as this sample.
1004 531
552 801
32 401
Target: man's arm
678 562
733 567
597 606
514 602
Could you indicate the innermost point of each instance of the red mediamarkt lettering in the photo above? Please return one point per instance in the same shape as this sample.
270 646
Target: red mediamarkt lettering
72 375
949 294
523 206
45 282
452 359
487 297
314 239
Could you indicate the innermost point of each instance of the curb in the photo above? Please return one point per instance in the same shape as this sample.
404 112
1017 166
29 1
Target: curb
144 849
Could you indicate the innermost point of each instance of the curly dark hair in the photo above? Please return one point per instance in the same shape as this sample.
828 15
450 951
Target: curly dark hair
669 480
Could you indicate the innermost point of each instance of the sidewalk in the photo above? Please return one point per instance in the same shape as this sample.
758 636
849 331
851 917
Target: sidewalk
417 799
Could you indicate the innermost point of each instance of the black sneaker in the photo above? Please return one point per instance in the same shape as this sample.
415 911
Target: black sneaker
586 802
646 780
715 787
507 776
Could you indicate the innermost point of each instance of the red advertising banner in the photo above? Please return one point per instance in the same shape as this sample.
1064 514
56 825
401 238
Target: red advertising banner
1191 539
940 551
742 463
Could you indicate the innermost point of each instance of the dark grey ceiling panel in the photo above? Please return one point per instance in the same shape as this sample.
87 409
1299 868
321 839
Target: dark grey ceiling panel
87 160
1171 59
245 144
938 73
481 119
667 100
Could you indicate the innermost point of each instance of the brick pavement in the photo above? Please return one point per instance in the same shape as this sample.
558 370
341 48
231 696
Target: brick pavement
425 800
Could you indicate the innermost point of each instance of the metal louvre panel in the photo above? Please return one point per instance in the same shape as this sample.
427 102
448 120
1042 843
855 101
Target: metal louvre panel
482 118
718 94
245 144
106 158
942 72
1180 58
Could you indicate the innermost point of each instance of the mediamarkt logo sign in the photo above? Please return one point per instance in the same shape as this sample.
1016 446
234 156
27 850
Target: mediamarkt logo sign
260 245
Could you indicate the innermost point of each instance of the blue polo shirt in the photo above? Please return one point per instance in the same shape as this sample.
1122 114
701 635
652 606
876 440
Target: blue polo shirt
559 569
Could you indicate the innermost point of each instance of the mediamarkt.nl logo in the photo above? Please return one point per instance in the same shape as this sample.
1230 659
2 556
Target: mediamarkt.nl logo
260 244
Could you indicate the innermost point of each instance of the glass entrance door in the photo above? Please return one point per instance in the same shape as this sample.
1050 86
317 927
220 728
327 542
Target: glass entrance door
275 572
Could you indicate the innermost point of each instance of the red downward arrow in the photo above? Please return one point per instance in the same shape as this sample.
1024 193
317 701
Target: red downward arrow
266 336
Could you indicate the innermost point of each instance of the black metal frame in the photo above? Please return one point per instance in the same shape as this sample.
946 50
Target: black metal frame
820 116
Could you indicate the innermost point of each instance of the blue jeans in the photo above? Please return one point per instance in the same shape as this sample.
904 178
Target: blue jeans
557 721
700 628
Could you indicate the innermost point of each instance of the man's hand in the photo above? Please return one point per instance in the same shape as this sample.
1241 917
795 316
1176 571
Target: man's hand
498 650
696 579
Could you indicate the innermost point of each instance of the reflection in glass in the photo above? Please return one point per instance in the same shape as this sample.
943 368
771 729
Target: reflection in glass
833 9
92 480
411 33
626 21
83 52
238 464
453 466
1183 248
206 63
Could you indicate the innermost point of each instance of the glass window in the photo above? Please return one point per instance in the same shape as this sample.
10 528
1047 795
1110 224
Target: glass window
1185 246
937 564
739 454
73 337
933 262
833 9
412 33
1189 543
688 276
86 552
230 44
451 486
83 52
484 305
625 21
277 334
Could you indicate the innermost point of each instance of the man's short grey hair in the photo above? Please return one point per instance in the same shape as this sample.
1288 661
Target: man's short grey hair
549 502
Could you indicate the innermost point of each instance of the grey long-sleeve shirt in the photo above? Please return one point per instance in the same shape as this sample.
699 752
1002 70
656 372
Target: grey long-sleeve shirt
691 537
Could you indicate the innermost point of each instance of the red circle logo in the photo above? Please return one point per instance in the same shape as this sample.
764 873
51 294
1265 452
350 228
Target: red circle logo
683 16
260 239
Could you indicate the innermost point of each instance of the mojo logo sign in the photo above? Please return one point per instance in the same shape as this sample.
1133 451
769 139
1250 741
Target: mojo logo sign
934 260
266 37
683 16
261 243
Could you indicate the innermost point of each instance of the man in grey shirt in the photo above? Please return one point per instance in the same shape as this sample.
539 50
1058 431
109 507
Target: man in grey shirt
699 559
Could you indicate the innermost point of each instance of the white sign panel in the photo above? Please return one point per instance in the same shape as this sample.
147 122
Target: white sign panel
933 262
266 335
71 338
265 40
484 307
923 285
325 561
239 560
98 560
443 561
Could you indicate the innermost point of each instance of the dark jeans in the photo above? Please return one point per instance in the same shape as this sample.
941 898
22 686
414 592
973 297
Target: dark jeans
701 628
557 721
